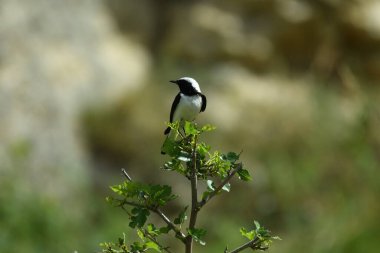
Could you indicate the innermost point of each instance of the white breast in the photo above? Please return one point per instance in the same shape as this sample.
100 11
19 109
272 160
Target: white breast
188 108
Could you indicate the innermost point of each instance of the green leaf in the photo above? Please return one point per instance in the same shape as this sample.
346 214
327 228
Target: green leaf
248 234
140 234
171 147
190 128
181 217
137 247
262 234
244 175
207 128
117 189
127 189
139 218
164 230
152 245
173 125
152 230
232 157
203 149
160 194
205 195
121 241
197 234
257 225
174 165
219 164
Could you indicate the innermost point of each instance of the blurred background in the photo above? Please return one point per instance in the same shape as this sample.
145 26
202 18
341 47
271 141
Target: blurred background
293 84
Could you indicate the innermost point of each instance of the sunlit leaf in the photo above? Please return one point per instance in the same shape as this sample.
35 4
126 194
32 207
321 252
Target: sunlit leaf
248 234
207 128
184 158
152 245
140 234
190 128
210 185
203 149
173 125
226 187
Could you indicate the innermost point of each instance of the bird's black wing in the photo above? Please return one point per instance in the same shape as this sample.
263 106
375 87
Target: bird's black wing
172 110
204 102
174 106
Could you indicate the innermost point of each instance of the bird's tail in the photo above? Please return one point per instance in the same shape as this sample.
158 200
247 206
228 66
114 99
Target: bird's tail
167 130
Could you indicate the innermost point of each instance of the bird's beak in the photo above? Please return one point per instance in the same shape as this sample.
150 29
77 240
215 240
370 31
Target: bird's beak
173 81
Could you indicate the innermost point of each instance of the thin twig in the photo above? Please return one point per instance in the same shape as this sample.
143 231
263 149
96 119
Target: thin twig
126 174
250 244
126 202
222 184
171 225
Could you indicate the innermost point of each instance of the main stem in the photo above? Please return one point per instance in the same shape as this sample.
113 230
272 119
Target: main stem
194 198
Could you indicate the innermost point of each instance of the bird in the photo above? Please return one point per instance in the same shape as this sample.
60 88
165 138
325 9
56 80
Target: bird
188 103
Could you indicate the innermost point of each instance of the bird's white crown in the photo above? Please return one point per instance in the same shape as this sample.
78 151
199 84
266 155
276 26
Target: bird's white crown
192 82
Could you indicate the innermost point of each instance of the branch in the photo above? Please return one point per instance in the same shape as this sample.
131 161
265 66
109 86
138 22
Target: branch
194 190
156 210
251 244
126 202
219 188
177 231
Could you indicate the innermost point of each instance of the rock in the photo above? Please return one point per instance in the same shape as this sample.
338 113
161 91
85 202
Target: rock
57 59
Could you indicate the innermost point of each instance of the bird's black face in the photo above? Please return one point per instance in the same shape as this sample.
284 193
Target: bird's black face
185 87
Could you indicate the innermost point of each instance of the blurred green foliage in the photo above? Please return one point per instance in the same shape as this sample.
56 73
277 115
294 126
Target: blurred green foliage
32 221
